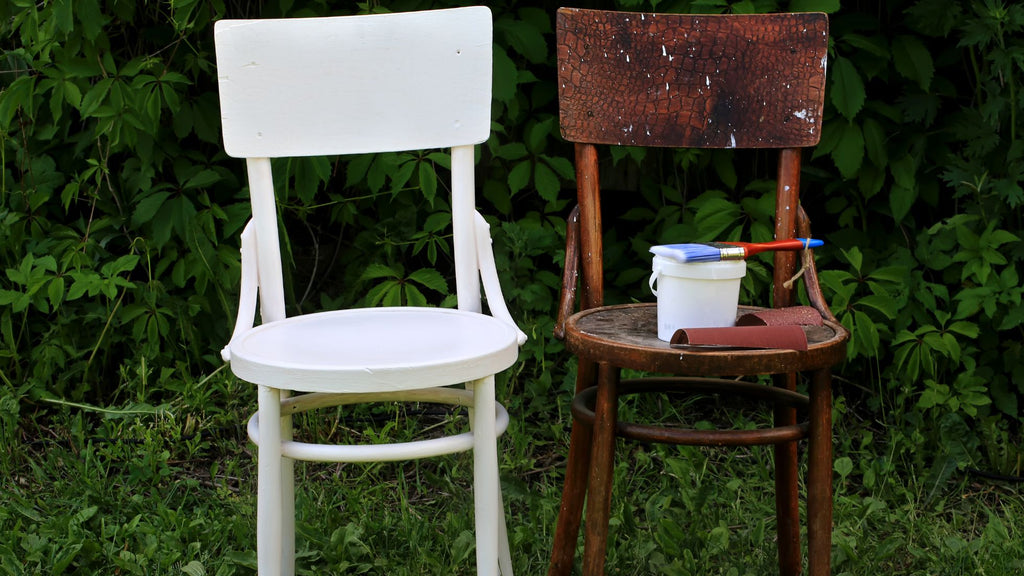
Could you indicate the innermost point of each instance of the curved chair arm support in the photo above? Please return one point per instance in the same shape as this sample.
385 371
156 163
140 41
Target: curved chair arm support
249 287
489 276
570 273
813 286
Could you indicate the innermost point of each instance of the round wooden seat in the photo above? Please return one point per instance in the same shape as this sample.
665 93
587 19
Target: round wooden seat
627 336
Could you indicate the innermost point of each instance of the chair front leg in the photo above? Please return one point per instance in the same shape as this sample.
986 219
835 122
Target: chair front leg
269 499
574 491
486 486
602 464
787 503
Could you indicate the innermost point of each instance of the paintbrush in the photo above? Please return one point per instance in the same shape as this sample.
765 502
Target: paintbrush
718 251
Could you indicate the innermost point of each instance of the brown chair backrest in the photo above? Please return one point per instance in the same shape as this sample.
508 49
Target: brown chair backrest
690 81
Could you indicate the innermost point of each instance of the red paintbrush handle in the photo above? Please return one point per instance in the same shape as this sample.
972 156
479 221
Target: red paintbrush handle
752 248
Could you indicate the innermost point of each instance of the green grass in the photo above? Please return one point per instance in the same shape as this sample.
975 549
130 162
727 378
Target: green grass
170 490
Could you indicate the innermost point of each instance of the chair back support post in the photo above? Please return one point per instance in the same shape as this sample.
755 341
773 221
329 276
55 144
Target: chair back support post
268 251
787 203
467 279
591 246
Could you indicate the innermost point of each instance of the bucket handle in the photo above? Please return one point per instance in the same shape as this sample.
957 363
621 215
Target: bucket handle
654 276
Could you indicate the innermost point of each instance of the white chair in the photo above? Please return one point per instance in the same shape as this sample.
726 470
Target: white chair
350 85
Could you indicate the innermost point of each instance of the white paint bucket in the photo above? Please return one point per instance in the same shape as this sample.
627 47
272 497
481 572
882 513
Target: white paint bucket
696 294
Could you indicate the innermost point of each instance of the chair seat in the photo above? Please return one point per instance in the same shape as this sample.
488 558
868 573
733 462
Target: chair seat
374 350
627 336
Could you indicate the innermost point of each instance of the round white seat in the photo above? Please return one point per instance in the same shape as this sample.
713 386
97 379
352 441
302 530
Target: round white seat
374 350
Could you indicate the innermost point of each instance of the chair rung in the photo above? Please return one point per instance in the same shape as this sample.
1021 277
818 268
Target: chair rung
583 411
378 452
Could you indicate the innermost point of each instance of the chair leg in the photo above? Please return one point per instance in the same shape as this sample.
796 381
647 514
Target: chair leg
577 466
287 500
504 552
819 475
268 484
602 463
787 504
487 512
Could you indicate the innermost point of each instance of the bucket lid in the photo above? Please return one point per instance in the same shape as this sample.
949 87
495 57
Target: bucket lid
724 270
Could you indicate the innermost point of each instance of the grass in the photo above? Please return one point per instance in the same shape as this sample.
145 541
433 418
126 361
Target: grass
171 490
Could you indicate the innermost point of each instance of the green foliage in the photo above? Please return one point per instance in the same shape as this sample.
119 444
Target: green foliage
927 205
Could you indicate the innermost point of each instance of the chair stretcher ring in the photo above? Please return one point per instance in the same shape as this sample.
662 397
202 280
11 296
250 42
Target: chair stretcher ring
584 401
378 452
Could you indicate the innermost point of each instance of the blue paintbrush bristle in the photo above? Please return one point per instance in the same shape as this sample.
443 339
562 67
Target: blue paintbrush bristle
688 252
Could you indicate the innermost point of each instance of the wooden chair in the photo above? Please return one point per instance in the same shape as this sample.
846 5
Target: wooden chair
671 80
353 85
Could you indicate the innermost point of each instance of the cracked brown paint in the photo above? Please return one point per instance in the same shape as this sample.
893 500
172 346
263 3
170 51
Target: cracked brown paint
682 80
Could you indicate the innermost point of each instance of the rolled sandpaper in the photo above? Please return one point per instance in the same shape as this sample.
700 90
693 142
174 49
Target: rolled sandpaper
761 337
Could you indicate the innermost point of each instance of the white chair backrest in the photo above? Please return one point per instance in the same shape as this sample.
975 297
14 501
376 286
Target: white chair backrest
352 85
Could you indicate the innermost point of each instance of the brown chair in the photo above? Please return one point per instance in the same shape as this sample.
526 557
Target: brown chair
689 81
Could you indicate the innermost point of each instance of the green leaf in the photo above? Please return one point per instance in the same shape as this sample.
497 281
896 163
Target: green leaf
884 304
379 271
913 61
848 154
203 179
55 291
96 96
537 136
519 176
376 294
429 278
524 38
964 328
900 201
875 142
194 568
413 296
847 92
511 151
505 76
89 14
714 216
843 466
904 172
428 181
16 95
123 264
546 181
63 16
356 168
562 166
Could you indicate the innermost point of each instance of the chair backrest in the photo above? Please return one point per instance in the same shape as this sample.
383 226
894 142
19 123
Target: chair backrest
696 81
353 85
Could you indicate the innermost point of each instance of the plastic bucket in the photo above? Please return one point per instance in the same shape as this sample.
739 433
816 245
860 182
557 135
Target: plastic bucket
696 294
